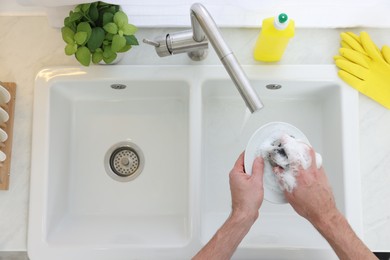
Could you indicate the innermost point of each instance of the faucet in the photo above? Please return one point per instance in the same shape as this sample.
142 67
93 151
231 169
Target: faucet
195 44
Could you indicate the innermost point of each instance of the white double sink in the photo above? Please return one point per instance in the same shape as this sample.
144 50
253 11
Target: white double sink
191 124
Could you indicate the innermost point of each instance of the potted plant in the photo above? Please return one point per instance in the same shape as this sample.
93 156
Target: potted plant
97 32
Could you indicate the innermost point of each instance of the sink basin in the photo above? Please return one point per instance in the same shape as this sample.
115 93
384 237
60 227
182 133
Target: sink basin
183 127
314 106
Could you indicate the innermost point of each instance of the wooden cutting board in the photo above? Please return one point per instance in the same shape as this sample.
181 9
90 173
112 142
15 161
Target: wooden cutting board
8 126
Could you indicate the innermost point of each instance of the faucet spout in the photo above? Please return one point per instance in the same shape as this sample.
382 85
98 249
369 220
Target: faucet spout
204 28
203 24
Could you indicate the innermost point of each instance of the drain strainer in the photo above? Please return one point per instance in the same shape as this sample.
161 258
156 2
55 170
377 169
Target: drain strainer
124 161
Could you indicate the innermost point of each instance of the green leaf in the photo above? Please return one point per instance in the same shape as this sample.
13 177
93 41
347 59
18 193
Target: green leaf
102 4
131 40
70 49
126 48
114 9
85 27
96 39
81 38
85 7
109 36
70 24
108 9
118 42
75 16
111 28
77 8
93 12
103 10
108 55
97 57
129 29
83 55
110 59
107 18
108 52
120 18
67 34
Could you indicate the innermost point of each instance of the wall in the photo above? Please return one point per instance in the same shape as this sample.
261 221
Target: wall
12 8
247 13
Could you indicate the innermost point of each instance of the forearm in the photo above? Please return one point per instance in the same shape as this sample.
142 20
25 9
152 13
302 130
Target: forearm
343 239
225 242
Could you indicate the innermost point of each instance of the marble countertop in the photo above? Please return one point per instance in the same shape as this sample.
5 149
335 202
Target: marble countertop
28 44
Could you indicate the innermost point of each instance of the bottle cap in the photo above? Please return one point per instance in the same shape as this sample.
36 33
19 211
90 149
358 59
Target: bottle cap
281 21
282 18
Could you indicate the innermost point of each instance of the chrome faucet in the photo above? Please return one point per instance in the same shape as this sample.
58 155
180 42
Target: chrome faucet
195 43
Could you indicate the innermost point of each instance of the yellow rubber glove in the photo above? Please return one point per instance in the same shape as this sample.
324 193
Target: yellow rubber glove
365 68
352 41
386 53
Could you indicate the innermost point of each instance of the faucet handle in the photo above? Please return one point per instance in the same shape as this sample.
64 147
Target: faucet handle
150 42
160 44
179 42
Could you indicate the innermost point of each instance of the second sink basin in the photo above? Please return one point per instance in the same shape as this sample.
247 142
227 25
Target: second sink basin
313 107
188 125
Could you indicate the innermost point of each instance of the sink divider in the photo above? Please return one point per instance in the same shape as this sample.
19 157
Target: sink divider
195 160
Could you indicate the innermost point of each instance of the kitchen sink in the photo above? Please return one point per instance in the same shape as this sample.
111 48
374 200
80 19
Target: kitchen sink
180 128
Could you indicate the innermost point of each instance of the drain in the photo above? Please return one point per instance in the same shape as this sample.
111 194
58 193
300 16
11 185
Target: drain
273 86
124 161
118 86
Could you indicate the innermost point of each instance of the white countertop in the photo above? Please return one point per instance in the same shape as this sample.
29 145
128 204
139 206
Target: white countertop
27 44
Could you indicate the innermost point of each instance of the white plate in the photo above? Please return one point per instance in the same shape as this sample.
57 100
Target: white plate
2 156
5 96
3 115
3 136
272 191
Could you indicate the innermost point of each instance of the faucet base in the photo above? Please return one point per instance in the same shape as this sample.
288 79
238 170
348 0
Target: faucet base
198 55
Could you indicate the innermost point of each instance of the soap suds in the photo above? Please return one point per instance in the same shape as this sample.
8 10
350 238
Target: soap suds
287 152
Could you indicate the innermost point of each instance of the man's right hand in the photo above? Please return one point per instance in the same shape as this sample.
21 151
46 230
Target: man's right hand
312 198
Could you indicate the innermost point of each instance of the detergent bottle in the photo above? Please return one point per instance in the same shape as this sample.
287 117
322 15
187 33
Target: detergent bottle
275 34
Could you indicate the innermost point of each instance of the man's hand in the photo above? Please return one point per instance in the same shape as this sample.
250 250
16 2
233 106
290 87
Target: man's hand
247 190
312 198
247 196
